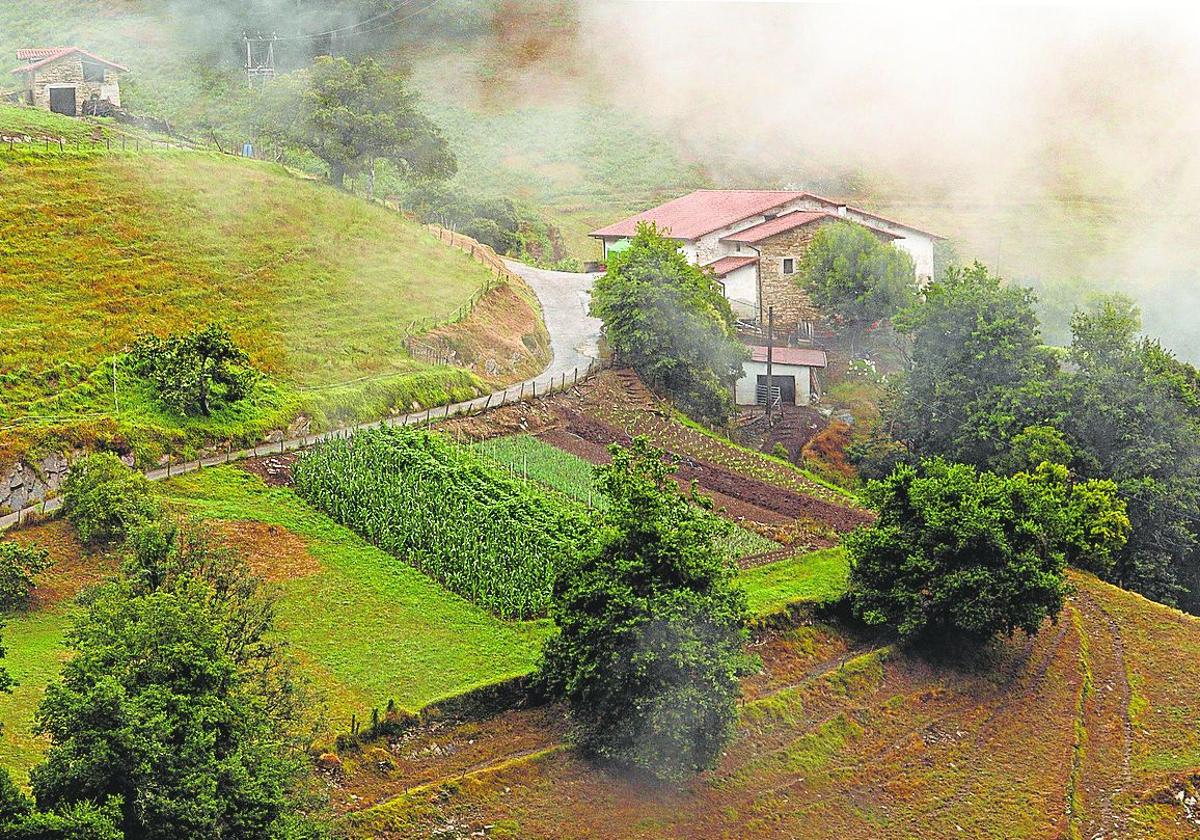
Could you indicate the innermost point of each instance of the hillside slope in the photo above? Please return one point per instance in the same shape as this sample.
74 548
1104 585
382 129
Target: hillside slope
1086 730
321 288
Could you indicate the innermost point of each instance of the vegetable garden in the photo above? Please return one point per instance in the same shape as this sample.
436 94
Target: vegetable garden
460 518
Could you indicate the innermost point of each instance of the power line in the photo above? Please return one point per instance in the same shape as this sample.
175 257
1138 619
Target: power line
356 28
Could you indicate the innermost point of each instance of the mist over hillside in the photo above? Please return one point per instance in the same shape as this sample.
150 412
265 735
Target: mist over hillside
1053 144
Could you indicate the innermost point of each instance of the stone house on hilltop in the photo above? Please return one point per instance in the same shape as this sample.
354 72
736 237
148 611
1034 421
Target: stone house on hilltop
752 242
67 80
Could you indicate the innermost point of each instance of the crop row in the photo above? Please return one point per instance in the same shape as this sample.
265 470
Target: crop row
485 534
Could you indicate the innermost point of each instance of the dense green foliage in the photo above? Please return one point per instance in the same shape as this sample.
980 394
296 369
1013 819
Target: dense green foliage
958 553
1117 408
192 370
855 277
489 537
104 499
975 352
19 564
351 114
668 320
178 709
650 626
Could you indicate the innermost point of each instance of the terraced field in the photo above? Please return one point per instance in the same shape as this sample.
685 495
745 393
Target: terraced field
847 737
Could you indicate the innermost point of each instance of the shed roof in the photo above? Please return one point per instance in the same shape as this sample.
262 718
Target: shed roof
800 356
49 55
728 265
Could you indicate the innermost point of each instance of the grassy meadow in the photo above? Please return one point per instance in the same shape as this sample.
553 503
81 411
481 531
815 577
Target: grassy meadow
319 287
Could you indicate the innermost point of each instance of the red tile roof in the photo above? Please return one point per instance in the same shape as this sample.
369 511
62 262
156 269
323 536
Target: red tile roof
772 227
36 53
703 211
727 265
62 53
790 356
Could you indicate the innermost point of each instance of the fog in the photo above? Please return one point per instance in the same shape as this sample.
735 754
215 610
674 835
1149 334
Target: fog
1051 143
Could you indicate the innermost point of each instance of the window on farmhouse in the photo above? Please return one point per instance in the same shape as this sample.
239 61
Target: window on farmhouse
789 265
93 72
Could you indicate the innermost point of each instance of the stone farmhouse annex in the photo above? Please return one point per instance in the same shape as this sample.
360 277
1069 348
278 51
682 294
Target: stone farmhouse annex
67 80
752 241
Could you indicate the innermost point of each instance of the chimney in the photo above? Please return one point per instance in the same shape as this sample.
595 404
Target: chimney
842 210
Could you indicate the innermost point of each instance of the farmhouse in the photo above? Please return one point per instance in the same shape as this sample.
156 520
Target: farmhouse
68 80
752 240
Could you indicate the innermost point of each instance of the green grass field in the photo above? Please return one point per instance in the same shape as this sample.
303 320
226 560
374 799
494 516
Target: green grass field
33 653
815 578
320 288
371 626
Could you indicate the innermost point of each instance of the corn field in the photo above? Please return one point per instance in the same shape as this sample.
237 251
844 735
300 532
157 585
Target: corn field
485 534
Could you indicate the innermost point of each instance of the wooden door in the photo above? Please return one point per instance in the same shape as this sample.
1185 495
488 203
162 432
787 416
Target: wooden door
62 101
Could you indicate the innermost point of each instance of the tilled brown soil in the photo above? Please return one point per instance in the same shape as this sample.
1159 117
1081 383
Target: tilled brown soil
782 504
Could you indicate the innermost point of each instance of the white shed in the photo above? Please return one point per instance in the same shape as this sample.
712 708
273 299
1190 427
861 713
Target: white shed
793 374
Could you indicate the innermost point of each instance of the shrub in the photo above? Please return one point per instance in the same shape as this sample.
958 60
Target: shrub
103 498
193 370
19 564
650 627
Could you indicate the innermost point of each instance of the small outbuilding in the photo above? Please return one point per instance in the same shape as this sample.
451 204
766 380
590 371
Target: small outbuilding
793 376
68 80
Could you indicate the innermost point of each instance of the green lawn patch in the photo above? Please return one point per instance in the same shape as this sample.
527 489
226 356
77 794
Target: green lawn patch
320 288
371 626
33 655
817 578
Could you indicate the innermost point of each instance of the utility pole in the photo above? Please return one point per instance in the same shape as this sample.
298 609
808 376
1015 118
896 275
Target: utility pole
770 359
260 57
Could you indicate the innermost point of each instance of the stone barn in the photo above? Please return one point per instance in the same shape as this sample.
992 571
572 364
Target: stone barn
68 80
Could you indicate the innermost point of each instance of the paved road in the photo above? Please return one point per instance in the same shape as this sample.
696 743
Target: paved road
574 339
574 335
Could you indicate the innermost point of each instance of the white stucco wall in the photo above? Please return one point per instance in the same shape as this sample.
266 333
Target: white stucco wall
741 290
920 248
745 391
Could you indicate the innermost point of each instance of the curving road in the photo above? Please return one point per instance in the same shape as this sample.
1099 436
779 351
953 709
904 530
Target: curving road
574 341
574 335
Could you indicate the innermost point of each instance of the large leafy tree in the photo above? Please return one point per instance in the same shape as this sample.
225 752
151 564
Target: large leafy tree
958 553
856 277
1134 416
177 708
979 374
650 626
352 114
669 321
192 370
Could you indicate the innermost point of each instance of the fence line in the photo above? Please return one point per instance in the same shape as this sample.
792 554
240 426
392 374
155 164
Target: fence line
523 392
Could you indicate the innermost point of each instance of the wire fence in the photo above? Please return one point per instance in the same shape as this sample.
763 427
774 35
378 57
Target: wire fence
528 391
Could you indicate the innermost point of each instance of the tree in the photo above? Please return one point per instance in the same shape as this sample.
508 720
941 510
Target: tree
103 498
352 114
191 370
849 272
979 374
667 319
19 564
650 626
1134 415
963 554
178 707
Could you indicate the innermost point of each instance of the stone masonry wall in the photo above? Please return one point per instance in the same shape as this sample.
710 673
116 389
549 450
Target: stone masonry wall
69 71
